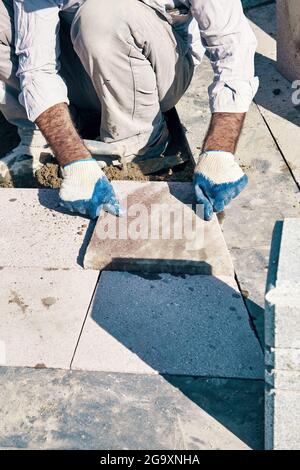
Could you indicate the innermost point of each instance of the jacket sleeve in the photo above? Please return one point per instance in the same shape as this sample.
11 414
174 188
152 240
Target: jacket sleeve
231 44
38 50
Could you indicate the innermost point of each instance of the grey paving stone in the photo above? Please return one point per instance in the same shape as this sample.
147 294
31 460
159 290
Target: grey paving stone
180 243
250 220
41 234
251 264
274 96
52 409
237 404
42 312
282 424
283 288
190 325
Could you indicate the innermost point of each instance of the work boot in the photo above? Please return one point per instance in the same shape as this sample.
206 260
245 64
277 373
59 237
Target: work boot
157 148
27 157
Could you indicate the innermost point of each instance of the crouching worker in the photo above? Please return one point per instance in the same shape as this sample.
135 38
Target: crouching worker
130 61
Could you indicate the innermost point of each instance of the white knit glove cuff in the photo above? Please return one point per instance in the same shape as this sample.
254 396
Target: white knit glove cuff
219 167
79 179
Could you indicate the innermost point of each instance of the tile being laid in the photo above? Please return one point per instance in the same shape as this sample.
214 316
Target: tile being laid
163 231
36 233
169 324
42 313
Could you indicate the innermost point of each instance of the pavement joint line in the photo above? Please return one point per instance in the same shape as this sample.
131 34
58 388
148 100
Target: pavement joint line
85 317
249 314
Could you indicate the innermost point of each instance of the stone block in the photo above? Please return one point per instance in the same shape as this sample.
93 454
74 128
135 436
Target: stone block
283 359
288 37
282 317
282 423
283 380
282 375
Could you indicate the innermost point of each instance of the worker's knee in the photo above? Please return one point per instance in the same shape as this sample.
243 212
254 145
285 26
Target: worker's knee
6 39
99 23
6 23
7 56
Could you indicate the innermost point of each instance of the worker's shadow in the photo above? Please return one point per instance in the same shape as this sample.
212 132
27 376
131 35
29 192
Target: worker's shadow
194 331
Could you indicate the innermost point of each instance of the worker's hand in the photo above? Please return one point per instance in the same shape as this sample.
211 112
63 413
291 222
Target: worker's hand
86 190
218 179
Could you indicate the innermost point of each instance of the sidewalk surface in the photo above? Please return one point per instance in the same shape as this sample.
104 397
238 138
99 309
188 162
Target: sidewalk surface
116 360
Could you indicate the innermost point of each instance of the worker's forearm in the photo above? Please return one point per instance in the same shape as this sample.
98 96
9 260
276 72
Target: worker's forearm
224 132
57 127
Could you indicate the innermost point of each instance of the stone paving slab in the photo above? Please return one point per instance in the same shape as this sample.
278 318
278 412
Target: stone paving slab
252 266
250 220
52 409
36 233
274 96
42 312
190 325
180 243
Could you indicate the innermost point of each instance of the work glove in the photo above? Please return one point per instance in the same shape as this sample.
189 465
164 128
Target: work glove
86 190
218 179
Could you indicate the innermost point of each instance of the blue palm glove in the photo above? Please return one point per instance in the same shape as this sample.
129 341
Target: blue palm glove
218 179
86 190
